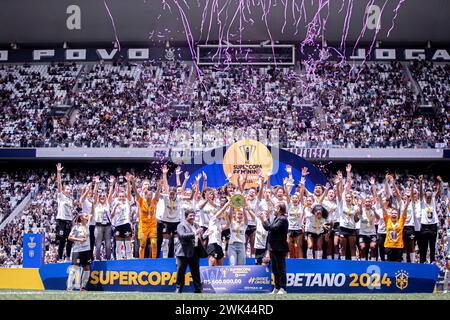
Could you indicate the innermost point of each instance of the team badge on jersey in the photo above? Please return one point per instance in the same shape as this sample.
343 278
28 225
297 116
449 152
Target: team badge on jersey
401 279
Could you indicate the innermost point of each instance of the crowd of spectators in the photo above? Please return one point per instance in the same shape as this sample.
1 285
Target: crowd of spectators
14 187
434 81
126 105
28 94
133 105
368 105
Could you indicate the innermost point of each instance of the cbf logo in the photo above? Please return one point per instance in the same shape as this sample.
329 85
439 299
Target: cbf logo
401 279
247 151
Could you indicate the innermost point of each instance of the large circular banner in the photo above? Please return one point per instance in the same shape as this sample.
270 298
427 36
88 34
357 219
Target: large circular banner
247 157
225 164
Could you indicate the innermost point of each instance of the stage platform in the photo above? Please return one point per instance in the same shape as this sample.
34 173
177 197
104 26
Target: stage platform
303 276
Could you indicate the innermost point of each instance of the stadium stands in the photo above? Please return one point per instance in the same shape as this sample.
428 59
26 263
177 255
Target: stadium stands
330 105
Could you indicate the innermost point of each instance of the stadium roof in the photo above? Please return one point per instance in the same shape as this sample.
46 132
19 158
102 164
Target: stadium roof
87 21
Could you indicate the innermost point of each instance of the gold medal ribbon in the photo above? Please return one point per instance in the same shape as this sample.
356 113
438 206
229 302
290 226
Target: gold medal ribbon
171 206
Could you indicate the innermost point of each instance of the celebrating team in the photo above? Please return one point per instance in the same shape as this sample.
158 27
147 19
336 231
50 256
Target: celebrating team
335 222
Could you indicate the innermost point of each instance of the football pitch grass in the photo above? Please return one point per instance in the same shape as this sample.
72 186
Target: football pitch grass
76 295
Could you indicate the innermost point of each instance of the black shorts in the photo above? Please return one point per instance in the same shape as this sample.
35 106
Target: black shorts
335 229
346 232
63 228
394 254
428 230
260 253
250 230
82 258
417 235
123 231
226 234
409 233
367 239
313 235
170 227
215 251
295 233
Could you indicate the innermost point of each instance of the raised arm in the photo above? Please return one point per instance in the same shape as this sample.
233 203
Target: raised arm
113 213
348 181
186 178
244 182
177 174
289 183
205 181
439 187
411 186
133 183
338 182
96 183
405 207
421 187
196 185
239 183
302 191
387 189
85 191
397 190
302 185
223 209
324 193
112 182
286 188
374 190
165 170
159 186
59 168
268 183
128 179
261 187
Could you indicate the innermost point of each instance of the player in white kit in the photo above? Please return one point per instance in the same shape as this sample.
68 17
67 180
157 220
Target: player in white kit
79 271
367 232
64 216
121 219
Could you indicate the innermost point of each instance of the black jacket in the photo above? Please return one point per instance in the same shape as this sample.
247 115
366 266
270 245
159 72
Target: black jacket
185 242
277 237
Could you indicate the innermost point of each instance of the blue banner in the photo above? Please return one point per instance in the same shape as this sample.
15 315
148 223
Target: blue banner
33 250
281 158
17 153
341 276
303 276
236 279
